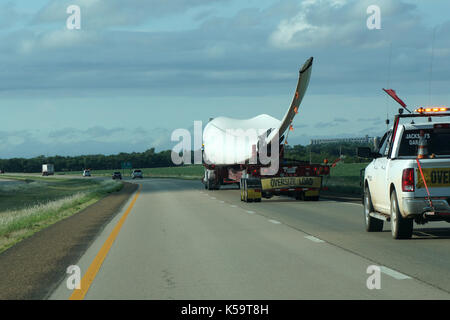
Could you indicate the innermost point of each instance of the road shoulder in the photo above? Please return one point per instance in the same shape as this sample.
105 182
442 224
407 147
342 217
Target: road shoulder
34 267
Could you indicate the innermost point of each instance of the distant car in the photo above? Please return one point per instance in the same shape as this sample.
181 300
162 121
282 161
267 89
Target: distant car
117 175
86 173
136 174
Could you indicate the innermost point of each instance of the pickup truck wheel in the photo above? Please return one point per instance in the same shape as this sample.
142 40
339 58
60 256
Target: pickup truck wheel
372 224
401 228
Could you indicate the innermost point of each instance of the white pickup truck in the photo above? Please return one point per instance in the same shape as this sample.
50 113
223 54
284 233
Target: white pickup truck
393 186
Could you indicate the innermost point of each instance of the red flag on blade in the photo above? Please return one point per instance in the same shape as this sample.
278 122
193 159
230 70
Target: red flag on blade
395 97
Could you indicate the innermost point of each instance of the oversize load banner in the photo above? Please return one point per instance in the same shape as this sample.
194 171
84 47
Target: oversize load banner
291 182
435 178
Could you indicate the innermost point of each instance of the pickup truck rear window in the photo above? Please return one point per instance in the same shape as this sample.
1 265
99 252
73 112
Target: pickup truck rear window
438 142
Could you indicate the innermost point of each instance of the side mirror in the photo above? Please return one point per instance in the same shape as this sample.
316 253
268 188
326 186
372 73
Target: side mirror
365 152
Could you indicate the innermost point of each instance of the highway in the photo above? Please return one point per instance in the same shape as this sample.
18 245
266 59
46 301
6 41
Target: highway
180 241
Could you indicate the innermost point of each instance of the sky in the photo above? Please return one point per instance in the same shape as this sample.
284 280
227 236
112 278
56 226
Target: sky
137 70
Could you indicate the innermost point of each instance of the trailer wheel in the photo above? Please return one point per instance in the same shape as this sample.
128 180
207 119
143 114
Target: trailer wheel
300 195
245 192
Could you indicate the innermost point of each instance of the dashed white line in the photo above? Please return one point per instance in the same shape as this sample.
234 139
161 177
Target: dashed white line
314 239
394 274
222 201
251 212
274 221
354 204
233 206
214 198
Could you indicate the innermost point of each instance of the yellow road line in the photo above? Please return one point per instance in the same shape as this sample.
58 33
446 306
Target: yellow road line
89 276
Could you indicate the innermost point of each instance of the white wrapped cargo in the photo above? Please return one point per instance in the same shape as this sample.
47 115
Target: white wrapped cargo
228 141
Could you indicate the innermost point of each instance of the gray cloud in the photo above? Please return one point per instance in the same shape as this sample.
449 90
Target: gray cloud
94 140
246 54
220 56
340 119
114 13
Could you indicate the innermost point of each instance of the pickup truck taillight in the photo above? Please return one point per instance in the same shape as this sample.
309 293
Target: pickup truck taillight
408 180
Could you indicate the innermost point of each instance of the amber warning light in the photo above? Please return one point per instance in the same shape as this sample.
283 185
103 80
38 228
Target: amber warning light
434 109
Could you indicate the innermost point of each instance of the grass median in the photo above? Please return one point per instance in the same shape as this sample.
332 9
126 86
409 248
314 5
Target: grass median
29 204
345 178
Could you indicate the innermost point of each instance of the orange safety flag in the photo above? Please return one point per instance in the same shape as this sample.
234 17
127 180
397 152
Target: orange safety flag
394 96
291 127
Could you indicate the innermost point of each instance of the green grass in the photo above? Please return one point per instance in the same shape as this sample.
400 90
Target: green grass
344 178
28 191
31 205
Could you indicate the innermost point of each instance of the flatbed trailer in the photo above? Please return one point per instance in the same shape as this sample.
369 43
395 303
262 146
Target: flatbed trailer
299 179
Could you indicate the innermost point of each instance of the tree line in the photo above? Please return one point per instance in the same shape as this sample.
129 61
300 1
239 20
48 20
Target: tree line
331 151
147 159
151 159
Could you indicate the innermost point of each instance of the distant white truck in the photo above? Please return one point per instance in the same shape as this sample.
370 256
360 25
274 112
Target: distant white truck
48 169
394 189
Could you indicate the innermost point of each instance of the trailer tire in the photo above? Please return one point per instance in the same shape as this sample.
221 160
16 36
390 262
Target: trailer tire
300 195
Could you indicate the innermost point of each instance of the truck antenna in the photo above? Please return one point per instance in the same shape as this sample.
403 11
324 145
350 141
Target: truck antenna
431 65
388 82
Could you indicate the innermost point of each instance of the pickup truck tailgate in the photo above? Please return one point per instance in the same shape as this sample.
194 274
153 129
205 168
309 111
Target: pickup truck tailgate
437 176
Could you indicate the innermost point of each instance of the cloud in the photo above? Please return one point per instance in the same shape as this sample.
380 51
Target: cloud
218 49
114 13
321 23
325 125
72 141
340 120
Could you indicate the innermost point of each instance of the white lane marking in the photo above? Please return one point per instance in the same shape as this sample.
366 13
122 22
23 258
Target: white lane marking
251 212
314 239
394 274
354 204
222 201
233 206
214 198
425 234
274 221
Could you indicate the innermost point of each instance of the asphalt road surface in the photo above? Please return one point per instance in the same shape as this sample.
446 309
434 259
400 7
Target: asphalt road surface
180 241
